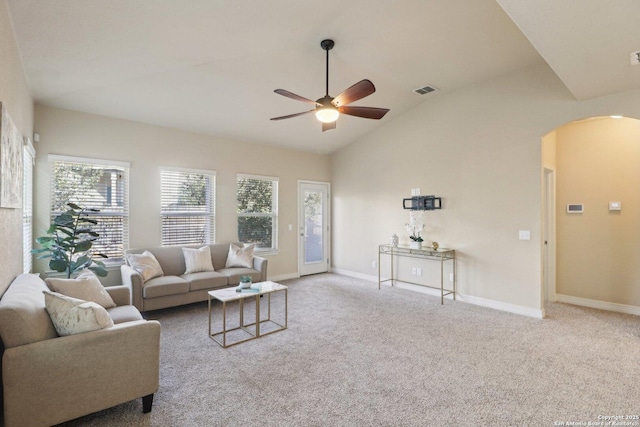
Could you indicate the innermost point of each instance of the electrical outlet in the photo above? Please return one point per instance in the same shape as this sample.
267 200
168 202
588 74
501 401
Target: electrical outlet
419 271
414 271
374 264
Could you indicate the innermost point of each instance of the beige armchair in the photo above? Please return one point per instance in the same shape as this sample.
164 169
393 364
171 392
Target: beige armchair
49 379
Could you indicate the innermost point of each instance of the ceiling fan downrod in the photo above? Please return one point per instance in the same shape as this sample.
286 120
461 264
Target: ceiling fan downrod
327 45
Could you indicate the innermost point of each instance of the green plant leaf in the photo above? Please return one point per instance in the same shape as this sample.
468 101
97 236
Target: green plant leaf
89 220
84 245
58 265
100 271
74 206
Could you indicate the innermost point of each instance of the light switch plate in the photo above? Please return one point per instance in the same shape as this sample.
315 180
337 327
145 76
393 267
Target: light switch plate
615 206
524 235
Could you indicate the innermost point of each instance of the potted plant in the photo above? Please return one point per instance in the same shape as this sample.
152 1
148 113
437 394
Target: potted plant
245 282
414 227
68 243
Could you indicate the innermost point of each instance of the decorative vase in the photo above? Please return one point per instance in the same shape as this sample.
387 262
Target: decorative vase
415 245
435 246
394 241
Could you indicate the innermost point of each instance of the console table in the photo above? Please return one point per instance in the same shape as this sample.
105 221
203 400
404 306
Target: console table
442 255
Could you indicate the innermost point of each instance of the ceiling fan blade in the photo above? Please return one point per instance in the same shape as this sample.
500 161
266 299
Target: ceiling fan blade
357 91
294 96
328 126
292 115
364 112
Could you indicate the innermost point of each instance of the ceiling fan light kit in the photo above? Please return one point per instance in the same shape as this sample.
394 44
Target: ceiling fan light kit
328 109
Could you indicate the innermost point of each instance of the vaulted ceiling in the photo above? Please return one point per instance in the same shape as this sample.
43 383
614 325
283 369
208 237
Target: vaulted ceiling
211 66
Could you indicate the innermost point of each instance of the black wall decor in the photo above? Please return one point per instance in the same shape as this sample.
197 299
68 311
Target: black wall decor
422 203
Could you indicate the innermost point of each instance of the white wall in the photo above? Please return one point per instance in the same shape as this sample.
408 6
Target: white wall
149 147
14 94
480 149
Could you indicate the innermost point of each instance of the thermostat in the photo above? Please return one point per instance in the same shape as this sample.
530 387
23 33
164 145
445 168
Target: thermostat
615 206
575 208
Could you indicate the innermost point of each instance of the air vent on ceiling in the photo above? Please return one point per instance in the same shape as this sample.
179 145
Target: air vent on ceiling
425 90
634 58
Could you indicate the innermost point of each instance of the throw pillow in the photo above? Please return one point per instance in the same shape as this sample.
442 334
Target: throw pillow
145 264
197 260
75 316
240 257
86 287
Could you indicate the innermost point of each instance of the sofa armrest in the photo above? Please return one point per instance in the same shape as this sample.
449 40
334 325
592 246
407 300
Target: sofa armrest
134 281
59 379
260 264
121 295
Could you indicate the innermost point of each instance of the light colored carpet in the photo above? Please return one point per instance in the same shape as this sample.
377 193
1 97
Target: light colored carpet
357 356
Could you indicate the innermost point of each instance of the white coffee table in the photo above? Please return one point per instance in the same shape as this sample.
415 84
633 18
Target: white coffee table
229 295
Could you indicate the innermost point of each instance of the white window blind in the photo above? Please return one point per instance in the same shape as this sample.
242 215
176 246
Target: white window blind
96 184
258 211
187 206
29 156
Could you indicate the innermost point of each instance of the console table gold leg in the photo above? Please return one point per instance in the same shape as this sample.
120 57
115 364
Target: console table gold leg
224 323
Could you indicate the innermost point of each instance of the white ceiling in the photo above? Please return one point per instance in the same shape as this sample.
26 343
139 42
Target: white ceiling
210 66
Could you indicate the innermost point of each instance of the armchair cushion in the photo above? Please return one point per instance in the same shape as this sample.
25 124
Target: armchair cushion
86 287
74 316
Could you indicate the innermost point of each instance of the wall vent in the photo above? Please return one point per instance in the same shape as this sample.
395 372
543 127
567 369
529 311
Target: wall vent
425 90
634 58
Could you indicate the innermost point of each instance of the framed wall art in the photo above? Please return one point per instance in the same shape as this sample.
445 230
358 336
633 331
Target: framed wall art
10 163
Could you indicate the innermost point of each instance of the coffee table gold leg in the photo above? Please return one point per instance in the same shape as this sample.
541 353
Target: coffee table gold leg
286 307
224 323
209 315
258 315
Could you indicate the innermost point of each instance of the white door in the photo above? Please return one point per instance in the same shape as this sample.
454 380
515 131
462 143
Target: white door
313 227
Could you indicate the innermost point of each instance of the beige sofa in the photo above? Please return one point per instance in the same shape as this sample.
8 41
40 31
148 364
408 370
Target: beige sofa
49 379
176 288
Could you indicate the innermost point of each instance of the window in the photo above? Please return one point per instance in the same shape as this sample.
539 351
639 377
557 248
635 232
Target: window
188 206
258 211
97 184
29 156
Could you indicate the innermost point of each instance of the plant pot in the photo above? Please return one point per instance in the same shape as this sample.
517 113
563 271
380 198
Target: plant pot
415 245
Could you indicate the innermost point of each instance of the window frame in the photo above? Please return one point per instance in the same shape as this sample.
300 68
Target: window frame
111 262
211 197
275 182
28 163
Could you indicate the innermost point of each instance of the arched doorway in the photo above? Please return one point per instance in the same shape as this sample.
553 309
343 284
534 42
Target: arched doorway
591 256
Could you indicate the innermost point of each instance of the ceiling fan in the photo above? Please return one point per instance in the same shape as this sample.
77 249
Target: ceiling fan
328 109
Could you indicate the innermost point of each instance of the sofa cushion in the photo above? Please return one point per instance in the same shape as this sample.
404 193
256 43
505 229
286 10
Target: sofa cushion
205 280
75 316
23 317
240 257
165 285
124 313
233 274
146 264
86 287
197 260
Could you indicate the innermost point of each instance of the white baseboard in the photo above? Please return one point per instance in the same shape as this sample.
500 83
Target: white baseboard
283 277
601 305
367 277
496 305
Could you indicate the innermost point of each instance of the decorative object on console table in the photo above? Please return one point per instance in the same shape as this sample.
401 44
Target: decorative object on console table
435 246
69 243
415 227
394 240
